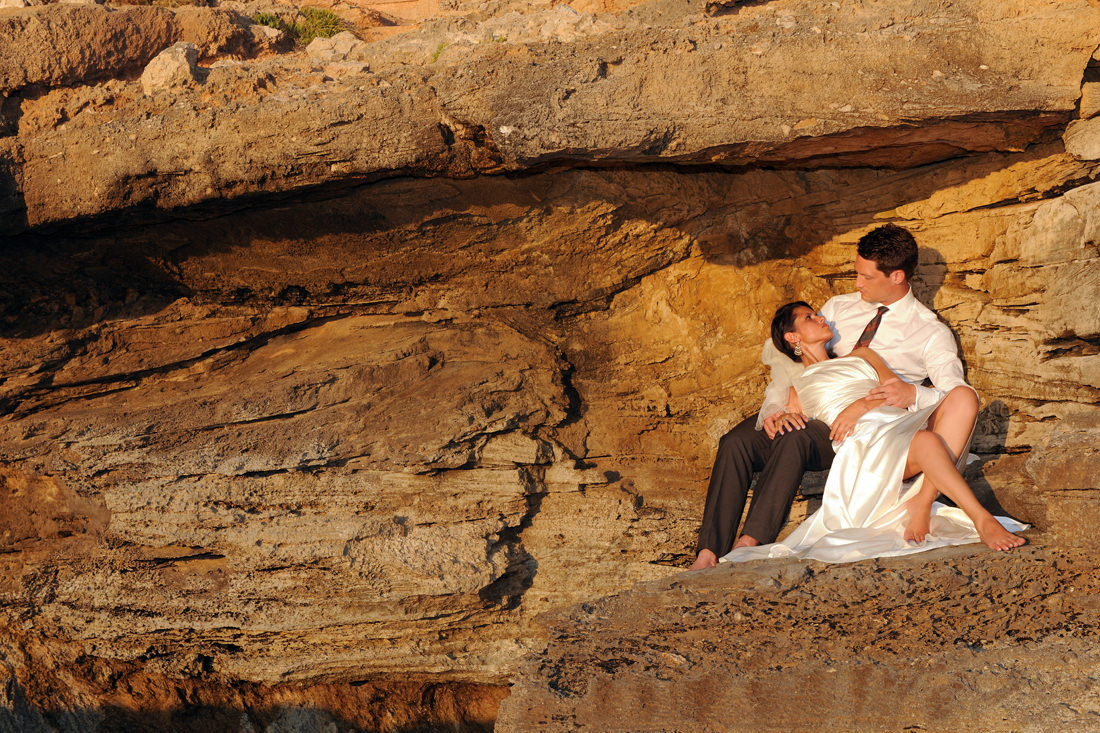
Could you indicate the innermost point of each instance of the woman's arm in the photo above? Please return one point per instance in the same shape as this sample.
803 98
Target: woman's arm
793 403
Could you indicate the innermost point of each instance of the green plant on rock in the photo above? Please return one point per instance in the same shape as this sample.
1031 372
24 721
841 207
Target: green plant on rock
270 20
309 24
317 23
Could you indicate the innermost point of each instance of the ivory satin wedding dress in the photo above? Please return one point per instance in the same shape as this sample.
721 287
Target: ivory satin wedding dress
863 512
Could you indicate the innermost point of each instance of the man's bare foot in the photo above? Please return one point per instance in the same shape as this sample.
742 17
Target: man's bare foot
705 559
996 537
919 524
746 541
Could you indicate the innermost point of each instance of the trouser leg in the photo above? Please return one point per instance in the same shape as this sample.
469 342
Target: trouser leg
741 451
792 454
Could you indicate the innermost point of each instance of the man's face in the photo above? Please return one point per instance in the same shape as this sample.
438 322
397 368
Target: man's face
874 285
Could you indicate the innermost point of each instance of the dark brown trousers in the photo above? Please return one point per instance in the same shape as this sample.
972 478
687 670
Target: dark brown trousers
780 463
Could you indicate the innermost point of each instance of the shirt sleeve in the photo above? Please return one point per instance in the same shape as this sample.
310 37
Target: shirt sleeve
778 389
941 361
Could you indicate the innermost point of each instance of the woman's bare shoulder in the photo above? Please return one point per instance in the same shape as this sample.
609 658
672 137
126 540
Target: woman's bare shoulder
867 353
876 362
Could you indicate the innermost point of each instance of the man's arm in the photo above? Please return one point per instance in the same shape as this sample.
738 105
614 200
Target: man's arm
941 360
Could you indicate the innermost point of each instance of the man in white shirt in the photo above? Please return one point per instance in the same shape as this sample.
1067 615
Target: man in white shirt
781 445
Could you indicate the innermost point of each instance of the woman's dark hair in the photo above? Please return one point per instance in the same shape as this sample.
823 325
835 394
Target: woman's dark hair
891 248
783 323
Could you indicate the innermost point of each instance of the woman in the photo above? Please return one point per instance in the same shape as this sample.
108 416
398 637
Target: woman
867 511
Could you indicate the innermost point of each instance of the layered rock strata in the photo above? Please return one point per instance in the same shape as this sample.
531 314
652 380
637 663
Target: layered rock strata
300 434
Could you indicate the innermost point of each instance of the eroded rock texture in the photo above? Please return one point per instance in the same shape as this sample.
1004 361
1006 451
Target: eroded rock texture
298 438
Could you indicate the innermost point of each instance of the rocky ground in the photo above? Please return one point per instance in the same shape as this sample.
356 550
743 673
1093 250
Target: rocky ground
957 639
332 366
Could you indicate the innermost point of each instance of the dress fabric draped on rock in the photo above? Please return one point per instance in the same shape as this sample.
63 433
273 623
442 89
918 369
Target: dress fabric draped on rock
862 512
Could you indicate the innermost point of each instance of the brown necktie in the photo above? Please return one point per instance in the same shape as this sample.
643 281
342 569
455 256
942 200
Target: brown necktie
869 332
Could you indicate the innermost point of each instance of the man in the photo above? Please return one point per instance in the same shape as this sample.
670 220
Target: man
781 446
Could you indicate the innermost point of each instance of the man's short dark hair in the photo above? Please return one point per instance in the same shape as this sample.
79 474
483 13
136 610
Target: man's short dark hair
891 248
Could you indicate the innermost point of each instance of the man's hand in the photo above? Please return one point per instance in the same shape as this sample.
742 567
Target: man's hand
895 392
845 423
783 422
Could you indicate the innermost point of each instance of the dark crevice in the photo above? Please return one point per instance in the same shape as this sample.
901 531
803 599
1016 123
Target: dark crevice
573 410
1071 346
161 561
508 590
731 7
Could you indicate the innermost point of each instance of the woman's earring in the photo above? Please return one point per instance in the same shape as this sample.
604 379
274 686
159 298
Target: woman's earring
798 348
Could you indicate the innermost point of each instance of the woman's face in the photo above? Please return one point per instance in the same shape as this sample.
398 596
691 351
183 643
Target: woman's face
809 327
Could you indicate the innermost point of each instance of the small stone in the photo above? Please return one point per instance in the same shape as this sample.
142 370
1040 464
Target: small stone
14 3
265 38
1082 139
341 47
175 66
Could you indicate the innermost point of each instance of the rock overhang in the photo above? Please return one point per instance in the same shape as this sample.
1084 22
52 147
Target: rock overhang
790 83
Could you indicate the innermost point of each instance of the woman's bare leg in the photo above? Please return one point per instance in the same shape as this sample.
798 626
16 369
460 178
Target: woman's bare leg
954 418
929 453
920 512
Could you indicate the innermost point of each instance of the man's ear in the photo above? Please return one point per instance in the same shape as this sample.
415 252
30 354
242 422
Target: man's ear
897 277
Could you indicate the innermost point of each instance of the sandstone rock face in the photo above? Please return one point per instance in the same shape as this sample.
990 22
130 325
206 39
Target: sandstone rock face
296 438
214 31
59 45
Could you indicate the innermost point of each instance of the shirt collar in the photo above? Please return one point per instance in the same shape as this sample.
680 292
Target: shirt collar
900 307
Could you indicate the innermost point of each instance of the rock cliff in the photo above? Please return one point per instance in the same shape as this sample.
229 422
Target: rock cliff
331 366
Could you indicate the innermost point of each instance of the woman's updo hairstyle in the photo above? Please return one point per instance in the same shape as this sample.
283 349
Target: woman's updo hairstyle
782 324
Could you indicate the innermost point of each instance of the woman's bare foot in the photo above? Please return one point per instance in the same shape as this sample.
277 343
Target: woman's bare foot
705 559
746 541
920 518
996 537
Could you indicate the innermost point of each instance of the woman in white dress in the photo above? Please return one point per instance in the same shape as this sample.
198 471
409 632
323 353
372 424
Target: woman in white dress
867 510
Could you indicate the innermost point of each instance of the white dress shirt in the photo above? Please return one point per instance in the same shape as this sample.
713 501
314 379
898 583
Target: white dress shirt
910 338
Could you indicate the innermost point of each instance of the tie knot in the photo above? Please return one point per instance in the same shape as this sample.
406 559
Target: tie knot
882 309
